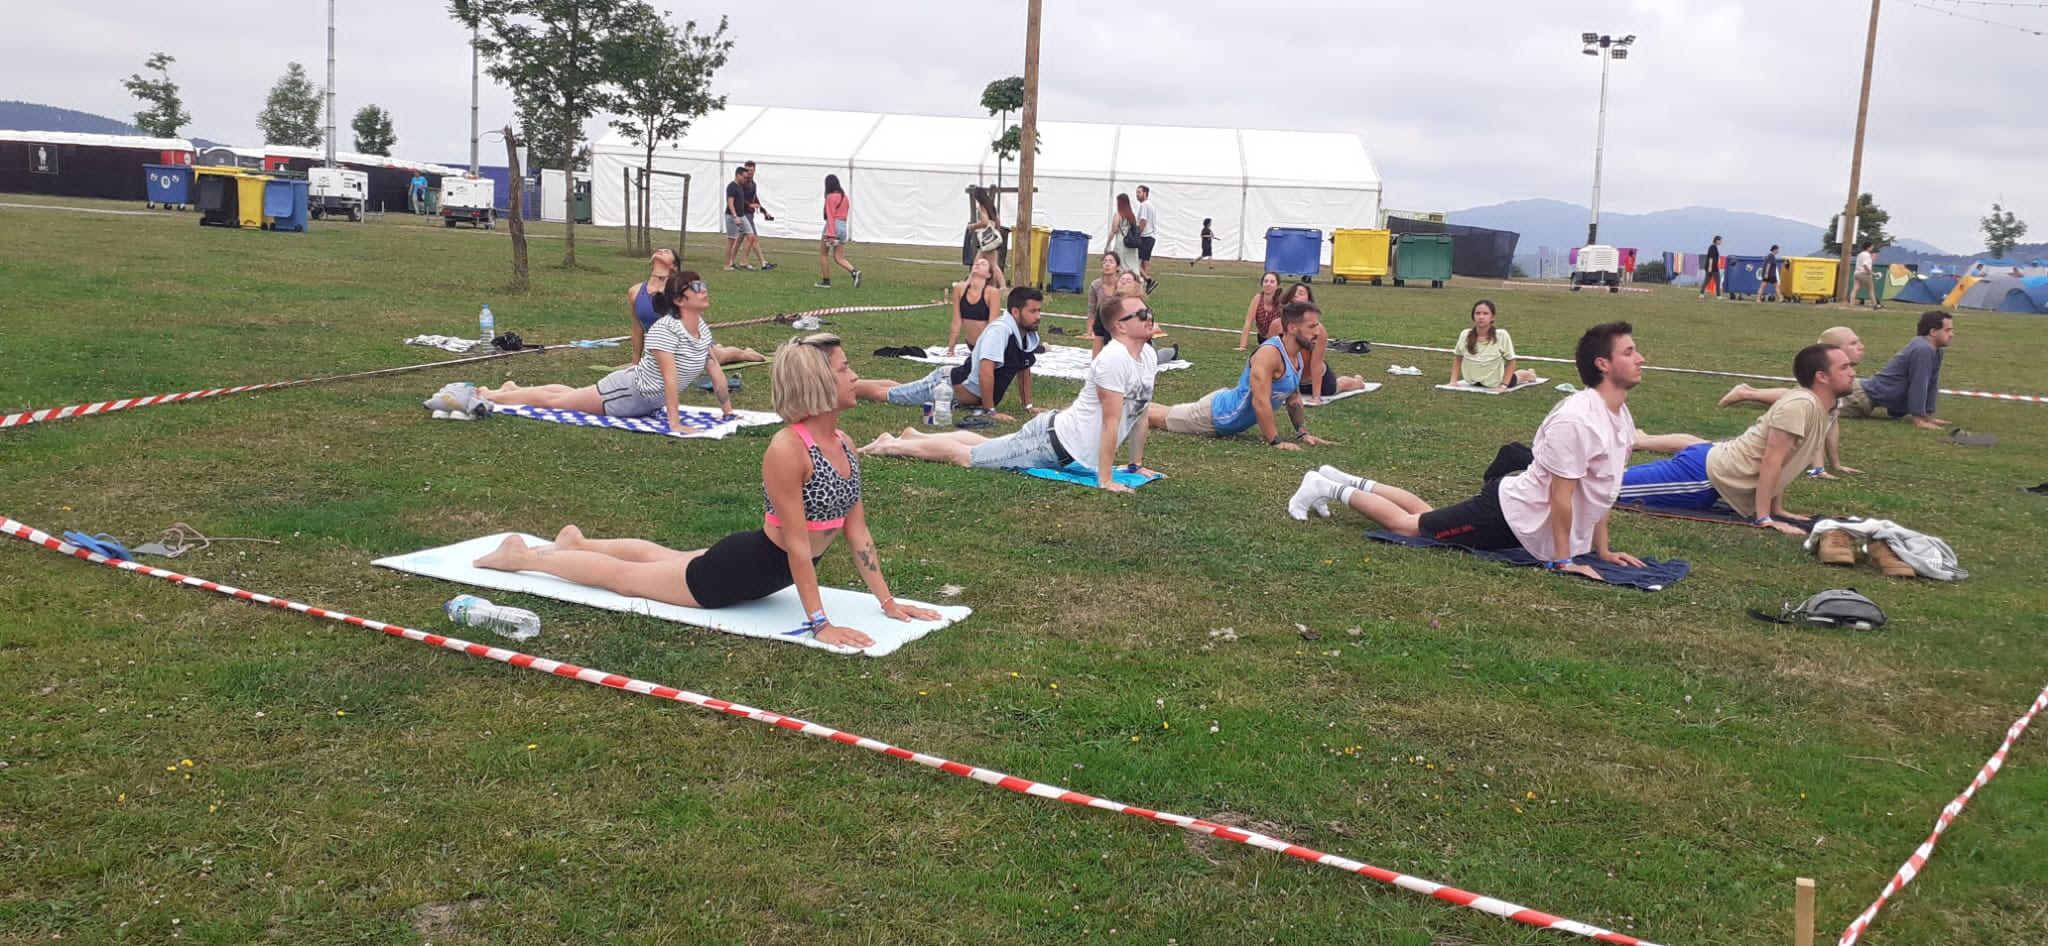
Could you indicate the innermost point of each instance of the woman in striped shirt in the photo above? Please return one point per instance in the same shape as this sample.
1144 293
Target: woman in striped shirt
677 349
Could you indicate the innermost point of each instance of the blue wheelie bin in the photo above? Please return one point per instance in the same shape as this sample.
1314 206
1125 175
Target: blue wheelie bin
284 201
167 184
1293 251
1741 276
1067 260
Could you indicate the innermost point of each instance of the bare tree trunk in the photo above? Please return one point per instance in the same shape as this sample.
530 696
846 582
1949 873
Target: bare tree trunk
516 178
569 194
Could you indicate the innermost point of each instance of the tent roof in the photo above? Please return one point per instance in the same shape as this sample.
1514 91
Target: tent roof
102 141
352 157
924 141
801 135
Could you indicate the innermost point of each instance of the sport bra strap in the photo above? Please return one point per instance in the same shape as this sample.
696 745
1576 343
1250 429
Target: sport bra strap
805 432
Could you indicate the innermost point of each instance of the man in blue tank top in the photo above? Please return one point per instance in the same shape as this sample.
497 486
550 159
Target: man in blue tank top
1271 379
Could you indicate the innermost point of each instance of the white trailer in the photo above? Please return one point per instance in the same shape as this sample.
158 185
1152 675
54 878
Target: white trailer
336 191
471 200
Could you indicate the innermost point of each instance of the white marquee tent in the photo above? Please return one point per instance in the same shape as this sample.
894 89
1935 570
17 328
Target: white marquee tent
906 175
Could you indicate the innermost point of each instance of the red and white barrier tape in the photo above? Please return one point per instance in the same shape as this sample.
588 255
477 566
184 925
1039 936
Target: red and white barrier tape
2029 398
1548 285
1911 868
107 407
1500 908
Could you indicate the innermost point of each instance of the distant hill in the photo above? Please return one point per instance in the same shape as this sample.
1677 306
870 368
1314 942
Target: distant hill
1561 225
29 116
2023 254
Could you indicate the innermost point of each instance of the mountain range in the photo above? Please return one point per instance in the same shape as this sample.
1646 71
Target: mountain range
29 116
1561 225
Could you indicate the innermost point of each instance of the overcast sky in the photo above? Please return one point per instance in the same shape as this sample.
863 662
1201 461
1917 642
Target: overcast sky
1743 104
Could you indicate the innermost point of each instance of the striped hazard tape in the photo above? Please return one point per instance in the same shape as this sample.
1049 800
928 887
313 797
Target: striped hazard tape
1911 868
1496 907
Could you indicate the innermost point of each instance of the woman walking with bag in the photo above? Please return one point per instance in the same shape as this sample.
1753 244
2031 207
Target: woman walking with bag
832 246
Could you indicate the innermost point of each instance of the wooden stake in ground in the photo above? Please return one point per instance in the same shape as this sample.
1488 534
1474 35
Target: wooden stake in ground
517 222
1844 279
1802 912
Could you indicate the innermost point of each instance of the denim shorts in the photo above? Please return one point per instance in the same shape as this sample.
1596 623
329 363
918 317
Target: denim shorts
1031 447
914 393
622 396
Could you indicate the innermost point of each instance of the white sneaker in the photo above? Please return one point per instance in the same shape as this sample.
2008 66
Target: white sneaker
1314 493
1340 477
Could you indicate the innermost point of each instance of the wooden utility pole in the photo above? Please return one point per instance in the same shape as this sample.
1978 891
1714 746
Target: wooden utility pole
1849 228
1021 263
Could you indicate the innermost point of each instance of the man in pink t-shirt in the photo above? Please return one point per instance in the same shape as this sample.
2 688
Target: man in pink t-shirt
1557 508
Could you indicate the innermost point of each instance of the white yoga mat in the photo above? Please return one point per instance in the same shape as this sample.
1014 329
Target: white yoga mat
770 618
1370 386
1057 361
709 427
1475 389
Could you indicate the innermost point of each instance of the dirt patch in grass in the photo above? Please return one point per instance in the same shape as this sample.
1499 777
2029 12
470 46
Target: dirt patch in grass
438 921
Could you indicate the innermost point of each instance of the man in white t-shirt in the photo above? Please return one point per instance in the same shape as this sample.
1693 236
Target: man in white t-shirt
1109 410
1148 234
1866 275
1557 508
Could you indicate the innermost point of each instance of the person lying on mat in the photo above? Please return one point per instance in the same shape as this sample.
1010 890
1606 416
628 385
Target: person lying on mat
1485 354
1110 408
1271 379
1843 337
678 350
809 466
640 300
1557 507
1320 380
1751 472
1002 353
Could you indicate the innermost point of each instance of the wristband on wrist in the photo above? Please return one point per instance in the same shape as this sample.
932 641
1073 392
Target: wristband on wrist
1560 563
1762 520
817 622
1028 405
1301 433
1273 442
1133 468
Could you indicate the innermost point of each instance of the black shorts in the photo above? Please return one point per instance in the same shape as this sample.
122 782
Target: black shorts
1476 523
744 566
1145 248
1329 385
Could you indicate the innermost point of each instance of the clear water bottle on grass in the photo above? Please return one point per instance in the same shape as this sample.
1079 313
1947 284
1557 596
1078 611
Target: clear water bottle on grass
942 404
486 327
516 623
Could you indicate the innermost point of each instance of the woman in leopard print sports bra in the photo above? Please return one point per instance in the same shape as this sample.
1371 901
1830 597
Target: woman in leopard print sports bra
812 384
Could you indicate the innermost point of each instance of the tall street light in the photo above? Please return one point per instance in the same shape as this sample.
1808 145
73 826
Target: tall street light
1608 49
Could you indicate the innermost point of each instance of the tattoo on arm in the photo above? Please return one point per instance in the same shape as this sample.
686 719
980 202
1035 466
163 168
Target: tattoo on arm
866 556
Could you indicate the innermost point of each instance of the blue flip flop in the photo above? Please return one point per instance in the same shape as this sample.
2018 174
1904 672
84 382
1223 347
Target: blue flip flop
103 544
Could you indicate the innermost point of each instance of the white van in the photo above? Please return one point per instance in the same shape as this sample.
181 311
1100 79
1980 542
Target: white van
337 191
469 200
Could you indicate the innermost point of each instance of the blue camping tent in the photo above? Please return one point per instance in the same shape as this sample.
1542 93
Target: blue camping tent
2032 298
1990 293
1926 290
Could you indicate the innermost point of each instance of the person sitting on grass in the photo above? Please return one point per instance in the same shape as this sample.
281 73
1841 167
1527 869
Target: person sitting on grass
1271 378
1485 354
640 299
1842 337
678 349
1110 408
812 384
1557 508
1750 473
1004 352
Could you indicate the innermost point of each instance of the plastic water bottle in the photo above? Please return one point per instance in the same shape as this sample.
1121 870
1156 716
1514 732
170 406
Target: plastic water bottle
942 403
516 623
486 327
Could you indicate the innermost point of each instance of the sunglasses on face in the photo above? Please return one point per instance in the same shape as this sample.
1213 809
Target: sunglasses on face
699 286
1145 314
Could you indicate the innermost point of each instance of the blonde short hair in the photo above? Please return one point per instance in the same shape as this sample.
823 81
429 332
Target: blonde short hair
801 381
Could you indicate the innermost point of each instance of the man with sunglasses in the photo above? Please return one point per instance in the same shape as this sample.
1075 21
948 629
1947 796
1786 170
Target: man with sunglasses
1271 379
1110 408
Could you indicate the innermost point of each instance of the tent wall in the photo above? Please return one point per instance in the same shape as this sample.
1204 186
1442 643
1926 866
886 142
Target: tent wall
906 176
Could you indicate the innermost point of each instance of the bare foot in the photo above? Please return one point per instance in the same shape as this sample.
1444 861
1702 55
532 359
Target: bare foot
506 388
506 557
876 445
1737 394
570 537
748 354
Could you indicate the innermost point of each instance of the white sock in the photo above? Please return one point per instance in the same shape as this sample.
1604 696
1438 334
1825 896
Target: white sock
1335 475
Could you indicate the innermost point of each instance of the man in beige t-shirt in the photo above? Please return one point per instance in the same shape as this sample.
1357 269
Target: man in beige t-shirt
1750 473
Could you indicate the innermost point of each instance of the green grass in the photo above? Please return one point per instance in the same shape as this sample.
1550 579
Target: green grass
1656 763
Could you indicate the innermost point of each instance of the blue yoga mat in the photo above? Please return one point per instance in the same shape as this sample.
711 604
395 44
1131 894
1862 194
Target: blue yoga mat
1653 576
1084 476
709 425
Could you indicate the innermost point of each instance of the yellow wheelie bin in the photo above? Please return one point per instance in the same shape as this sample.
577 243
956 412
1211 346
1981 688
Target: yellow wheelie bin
1359 254
249 194
1041 249
1808 278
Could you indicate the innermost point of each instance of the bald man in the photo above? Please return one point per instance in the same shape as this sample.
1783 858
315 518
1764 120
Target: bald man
1842 337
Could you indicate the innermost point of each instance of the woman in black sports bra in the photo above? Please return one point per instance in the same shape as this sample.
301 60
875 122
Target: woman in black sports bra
972 306
809 466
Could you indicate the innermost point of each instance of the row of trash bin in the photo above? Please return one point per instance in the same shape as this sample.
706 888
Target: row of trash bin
1374 255
1800 278
231 196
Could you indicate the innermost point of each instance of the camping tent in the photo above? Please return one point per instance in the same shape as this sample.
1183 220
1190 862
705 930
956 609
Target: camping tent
2037 293
907 175
1927 290
1990 293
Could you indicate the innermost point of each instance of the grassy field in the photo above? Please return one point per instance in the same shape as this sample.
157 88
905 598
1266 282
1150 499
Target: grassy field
182 765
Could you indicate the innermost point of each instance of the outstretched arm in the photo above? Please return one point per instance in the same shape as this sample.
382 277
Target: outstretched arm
1105 453
869 561
1770 493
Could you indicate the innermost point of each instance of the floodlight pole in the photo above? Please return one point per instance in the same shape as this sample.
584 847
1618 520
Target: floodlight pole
330 83
1843 278
1021 263
472 104
1603 46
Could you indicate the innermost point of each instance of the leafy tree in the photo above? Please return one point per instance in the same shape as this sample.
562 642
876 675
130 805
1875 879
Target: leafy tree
373 131
165 112
541 131
564 53
2002 232
666 80
1002 97
1651 271
1870 221
291 115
